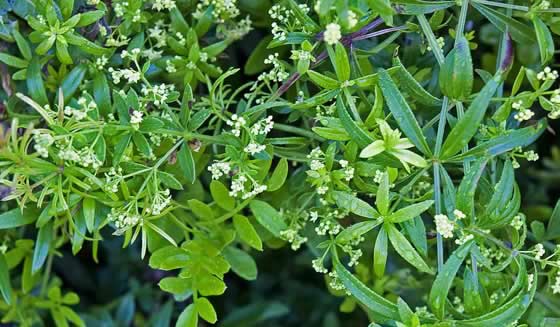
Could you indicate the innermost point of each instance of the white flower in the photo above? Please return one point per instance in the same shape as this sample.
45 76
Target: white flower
112 180
464 238
440 42
459 214
254 148
530 279
160 5
160 201
136 118
348 173
517 222
547 74
322 190
316 164
263 126
89 158
237 122
314 216
318 266
556 286
343 163
444 226
42 142
539 251
531 155
218 169
524 114
332 33
123 219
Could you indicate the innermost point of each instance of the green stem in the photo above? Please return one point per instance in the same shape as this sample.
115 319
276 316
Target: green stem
47 275
298 131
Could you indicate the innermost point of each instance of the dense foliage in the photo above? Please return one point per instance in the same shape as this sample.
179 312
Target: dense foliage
154 153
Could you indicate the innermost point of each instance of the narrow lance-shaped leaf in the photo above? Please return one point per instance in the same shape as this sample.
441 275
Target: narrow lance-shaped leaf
380 253
402 112
444 279
410 211
456 73
411 85
364 294
356 133
405 249
467 126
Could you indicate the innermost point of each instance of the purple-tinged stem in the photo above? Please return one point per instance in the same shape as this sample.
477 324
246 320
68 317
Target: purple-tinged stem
380 32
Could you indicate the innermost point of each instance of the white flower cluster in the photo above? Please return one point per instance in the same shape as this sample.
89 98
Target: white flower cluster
291 235
120 8
547 74
348 171
238 187
254 148
136 118
556 286
238 30
42 142
222 9
68 154
458 304
539 251
517 221
555 100
89 158
459 214
328 226
160 5
444 226
317 265
160 201
281 16
278 72
219 169
263 126
130 75
335 283
237 122
159 34
544 5
531 155
80 114
524 113
132 55
530 280
440 43
332 33
158 93
113 178
464 239
119 41
123 219
101 62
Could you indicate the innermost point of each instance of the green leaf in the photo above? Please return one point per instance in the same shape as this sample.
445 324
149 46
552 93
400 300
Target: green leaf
332 133
303 18
371 300
402 112
553 227
511 139
35 85
72 81
357 230
122 145
247 232
405 249
356 133
42 246
545 40
22 45
339 60
380 253
15 218
220 194
90 17
444 279
278 176
384 9
201 209
13 61
323 81
467 126
419 7
409 212
412 87
169 180
206 310
5 284
355 205
268 217
471 293
188 317
520 32
241 263
467 188
169 258
101 93
89 213
382 196
456 75
187 164
510 311
175 285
